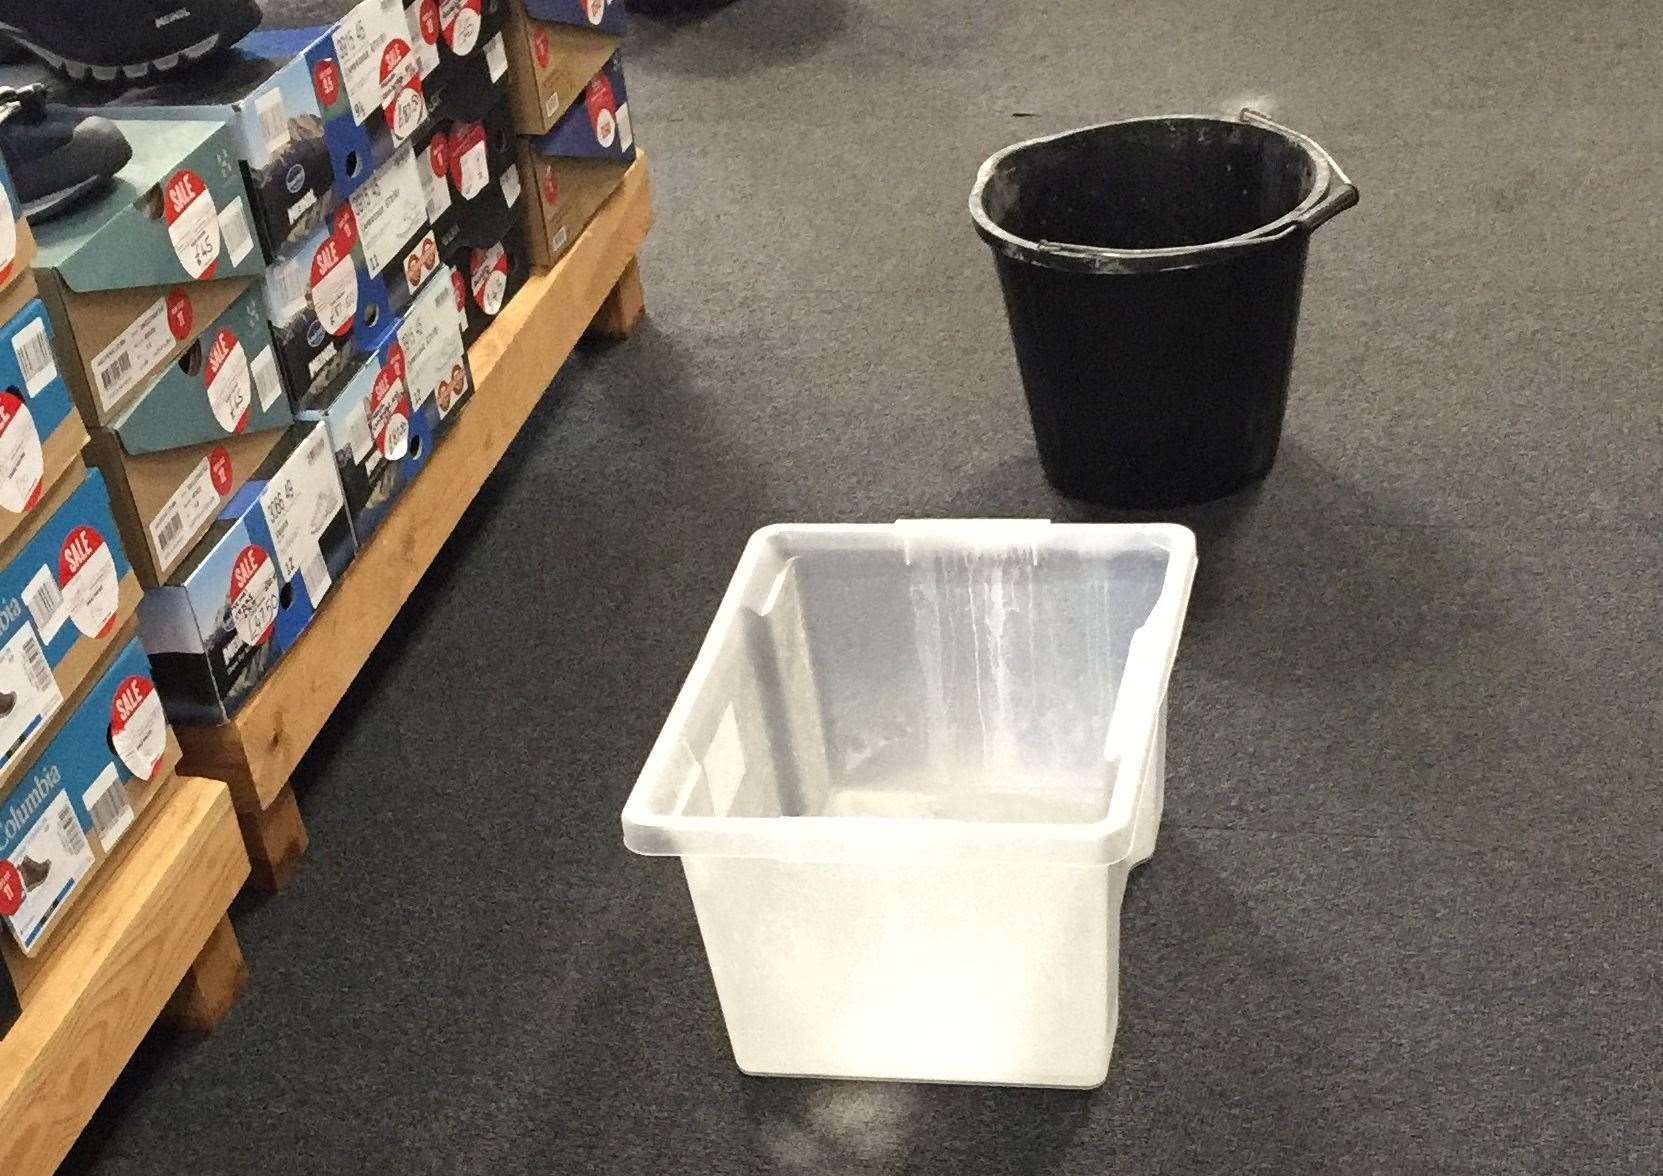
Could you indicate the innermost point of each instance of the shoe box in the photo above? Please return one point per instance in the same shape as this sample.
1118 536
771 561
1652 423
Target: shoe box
125 277
81 795
314 112
605 16
568 173
249 589
471 178
486 277
66 588
333 299
17 254
386 422
41 434
548 65
463 54
174 456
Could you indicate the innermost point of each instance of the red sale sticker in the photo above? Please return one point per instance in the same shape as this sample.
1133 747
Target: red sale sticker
192 223
138 729
401 89
603 109
179 315
219 470
550 183
540 46
11 890
253 595
88 581
388 407
326 82
227 379
438 153
22 463
488 276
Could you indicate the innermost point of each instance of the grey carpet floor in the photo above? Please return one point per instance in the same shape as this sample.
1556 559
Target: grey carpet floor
1404 916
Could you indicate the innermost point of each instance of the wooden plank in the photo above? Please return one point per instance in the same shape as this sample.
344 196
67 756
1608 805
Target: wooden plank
109 978
211 983
513 363
275 837
621 312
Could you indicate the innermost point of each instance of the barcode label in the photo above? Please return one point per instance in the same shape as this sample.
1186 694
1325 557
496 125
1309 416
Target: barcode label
314 574
147 341
267 386
114 373
167 531
69 832
496 57
34 356
186 512
274 120
511 186
233 226
34 665
46 603
286 287
109 807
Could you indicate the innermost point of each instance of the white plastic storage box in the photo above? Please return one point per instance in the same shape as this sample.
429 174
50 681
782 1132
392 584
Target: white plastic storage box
907 778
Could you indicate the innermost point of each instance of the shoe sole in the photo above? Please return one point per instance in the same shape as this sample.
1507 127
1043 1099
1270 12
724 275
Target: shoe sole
81 71
53 203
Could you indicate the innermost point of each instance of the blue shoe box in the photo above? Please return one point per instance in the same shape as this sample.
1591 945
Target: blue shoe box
316 111
81 796
41 434
334 298
386 422
249 589
65 589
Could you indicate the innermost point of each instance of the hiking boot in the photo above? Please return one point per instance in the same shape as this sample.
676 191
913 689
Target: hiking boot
56 156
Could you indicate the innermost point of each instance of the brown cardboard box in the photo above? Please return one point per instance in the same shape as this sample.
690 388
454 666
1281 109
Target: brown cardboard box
548 66
165 502
562 193
114 343
60 442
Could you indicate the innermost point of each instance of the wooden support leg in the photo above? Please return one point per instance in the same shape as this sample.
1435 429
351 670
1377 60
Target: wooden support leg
623 308
276 838
212 982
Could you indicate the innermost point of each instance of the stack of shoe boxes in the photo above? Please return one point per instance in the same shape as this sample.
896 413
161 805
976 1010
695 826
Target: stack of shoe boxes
338 133
84 745
572 113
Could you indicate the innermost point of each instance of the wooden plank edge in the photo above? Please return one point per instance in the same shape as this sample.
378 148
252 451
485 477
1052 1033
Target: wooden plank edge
514 361
110 978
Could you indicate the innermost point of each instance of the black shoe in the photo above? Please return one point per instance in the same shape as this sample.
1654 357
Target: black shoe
56 156
125 40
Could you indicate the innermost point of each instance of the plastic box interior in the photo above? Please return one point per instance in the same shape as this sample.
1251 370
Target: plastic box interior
905 777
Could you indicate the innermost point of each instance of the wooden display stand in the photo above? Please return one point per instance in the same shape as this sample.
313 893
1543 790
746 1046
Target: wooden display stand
594 289
152 940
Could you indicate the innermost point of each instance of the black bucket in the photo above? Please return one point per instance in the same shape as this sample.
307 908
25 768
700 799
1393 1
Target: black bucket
1151 271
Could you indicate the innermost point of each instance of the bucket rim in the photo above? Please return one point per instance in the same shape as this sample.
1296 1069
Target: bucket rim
1331 192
